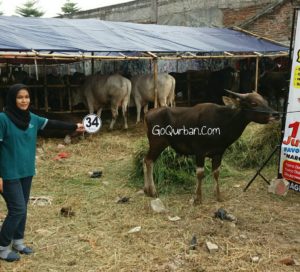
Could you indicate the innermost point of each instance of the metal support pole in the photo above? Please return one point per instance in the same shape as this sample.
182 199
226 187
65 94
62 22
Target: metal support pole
261 168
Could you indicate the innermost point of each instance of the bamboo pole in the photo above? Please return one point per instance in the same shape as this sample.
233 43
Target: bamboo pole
36 100
93 64
240 56
155 72
69 89
73 58
256 73
45 89
188 77
255 35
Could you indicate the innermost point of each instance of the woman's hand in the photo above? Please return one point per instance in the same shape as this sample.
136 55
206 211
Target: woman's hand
80 127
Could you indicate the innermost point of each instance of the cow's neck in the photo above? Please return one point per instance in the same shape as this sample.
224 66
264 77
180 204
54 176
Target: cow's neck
235 124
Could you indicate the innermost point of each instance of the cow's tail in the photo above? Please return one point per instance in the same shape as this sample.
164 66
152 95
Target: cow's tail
126 99
171 97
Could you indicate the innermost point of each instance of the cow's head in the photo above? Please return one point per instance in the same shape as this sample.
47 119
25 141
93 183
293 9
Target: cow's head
254 106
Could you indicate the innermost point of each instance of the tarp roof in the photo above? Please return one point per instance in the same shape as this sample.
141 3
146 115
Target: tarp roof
92 35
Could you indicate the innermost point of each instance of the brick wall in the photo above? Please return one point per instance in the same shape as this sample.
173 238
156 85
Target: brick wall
276 25
234 17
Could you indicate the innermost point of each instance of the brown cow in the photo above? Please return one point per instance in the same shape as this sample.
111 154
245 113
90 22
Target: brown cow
273 85
205 130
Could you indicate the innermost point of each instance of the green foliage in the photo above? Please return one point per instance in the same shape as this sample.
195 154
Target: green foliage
29 10
169 169
1 13
69 8
171 172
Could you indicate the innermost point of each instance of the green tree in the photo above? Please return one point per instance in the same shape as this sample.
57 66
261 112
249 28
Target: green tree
69 8
29 9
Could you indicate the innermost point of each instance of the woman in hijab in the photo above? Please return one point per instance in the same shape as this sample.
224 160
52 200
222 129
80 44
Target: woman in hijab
18 135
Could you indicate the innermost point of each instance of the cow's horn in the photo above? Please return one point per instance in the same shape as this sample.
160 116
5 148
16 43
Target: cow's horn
241 96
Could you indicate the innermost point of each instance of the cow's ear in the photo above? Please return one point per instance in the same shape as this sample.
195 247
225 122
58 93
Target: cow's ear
233 102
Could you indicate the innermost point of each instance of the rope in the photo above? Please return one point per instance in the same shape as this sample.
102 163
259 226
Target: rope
279 112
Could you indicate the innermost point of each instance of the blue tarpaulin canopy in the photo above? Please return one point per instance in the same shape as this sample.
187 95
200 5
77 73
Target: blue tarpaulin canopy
92 35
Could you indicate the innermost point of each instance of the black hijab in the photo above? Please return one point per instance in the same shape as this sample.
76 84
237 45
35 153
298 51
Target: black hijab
20 118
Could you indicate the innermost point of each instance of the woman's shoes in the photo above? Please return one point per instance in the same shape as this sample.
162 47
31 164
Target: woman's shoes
11 254
12 257
25 250
8 255
19 246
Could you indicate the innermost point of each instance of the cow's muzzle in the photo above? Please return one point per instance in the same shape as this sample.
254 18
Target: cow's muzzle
274 116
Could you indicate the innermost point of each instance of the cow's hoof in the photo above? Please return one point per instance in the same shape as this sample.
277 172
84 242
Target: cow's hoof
150 192
220 198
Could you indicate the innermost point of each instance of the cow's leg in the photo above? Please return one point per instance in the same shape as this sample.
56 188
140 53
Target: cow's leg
163 102
99 112
156 147
90 105
280 103
200 175
149 187
114 112
124 112
216 163
146 107
138 105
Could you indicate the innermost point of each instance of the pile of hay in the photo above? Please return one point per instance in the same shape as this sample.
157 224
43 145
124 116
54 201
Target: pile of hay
254 146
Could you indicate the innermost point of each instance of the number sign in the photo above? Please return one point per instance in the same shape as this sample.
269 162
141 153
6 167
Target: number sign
92 123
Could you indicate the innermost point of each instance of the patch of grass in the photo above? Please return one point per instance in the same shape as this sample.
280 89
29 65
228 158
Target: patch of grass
172 172
85 182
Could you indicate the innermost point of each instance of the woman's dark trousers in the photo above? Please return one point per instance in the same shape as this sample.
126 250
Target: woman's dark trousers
16 195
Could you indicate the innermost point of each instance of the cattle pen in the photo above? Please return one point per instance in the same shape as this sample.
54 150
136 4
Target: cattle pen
170 49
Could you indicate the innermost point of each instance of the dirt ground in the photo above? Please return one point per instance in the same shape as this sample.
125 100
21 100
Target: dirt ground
94 235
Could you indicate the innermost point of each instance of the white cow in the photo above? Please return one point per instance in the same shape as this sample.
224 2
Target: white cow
143 91
99 90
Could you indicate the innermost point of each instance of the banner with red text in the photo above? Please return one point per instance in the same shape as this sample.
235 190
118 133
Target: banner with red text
290 148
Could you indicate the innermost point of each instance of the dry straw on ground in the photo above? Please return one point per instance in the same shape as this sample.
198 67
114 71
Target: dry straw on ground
96 238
